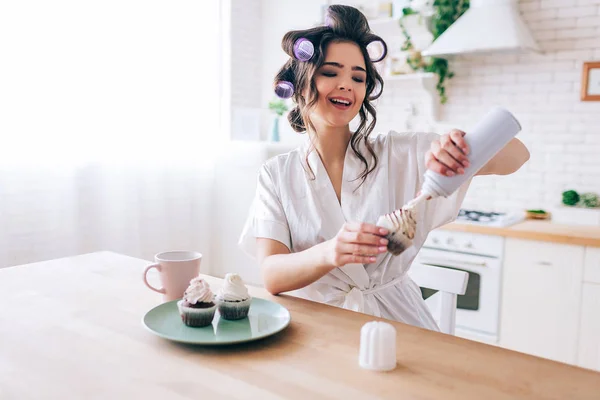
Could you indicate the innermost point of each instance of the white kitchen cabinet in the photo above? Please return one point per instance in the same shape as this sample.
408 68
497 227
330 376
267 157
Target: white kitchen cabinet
589 329
589 334
591 272
541 298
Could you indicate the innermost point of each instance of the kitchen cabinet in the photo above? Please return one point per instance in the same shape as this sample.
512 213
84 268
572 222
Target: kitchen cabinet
541 300
589 334
592 265
589 329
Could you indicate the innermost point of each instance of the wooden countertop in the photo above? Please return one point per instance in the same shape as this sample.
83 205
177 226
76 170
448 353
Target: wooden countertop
537 230
71 328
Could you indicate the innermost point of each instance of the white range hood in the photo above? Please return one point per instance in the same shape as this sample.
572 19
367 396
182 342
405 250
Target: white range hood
487 26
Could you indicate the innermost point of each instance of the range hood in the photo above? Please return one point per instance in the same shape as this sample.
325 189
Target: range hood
487 26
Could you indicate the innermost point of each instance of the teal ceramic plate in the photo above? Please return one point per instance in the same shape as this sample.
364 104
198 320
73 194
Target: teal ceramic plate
265 318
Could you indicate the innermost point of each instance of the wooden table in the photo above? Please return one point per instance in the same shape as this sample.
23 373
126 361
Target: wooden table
71 329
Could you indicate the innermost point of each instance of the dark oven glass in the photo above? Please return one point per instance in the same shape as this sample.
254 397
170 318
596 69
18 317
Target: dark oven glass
467 301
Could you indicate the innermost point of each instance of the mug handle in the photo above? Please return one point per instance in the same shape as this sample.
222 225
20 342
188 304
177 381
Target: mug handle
148 268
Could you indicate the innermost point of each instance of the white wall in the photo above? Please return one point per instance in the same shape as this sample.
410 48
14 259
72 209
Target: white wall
562 133
107 126
246 48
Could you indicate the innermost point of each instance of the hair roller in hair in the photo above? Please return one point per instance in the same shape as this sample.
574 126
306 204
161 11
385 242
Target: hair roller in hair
377 50
303 49
284 89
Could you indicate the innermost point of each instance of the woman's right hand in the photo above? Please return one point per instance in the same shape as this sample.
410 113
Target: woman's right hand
356 243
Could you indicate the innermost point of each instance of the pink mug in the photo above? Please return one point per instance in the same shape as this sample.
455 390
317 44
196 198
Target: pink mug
176 269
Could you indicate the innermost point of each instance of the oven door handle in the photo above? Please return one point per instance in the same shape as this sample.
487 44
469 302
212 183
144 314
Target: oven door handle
448 262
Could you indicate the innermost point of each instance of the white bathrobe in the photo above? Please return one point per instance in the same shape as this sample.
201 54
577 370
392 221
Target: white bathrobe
300 212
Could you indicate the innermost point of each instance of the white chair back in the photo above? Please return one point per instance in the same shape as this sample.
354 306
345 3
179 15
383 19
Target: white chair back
449 282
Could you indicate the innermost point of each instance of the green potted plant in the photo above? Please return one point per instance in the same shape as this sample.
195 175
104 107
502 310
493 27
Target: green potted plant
585 200
279 107
440 14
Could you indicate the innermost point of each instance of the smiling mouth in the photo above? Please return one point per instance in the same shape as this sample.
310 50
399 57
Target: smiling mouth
342 104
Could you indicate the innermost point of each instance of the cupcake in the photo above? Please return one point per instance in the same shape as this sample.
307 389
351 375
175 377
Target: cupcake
233 299
197 307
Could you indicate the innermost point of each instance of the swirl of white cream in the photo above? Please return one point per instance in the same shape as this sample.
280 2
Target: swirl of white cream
198 292
233 289
403 220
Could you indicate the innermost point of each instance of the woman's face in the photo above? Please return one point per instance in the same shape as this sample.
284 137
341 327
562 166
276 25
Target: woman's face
341 83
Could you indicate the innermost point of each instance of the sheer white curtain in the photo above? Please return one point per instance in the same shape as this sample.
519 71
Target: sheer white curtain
109 126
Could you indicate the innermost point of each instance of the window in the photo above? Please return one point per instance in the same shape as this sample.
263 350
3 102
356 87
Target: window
122 79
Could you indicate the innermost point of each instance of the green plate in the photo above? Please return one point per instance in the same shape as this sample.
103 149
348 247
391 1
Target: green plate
265 318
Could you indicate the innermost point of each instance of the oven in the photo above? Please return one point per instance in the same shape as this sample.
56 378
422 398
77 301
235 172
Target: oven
478 310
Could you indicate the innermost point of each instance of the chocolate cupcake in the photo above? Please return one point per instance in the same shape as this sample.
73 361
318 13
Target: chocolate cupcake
233 299
197 308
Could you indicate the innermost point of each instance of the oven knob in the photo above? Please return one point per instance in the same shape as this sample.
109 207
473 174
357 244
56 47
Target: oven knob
469 245
435 240
450 242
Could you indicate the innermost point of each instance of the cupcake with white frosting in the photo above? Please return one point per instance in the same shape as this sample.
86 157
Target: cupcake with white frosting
233 299
197 308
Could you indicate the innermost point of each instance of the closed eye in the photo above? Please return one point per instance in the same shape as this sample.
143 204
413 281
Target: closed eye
333 74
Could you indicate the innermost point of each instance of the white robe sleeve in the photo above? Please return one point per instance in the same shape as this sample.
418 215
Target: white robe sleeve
266 218
441 210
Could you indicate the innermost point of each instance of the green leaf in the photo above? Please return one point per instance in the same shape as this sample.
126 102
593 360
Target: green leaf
446 12
408 11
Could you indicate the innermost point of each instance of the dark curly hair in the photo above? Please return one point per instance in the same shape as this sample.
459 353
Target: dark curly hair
343 24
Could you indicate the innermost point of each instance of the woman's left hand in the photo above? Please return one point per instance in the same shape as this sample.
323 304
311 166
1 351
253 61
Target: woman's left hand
448 155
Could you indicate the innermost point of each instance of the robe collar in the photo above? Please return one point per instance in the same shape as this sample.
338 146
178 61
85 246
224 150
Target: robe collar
335 215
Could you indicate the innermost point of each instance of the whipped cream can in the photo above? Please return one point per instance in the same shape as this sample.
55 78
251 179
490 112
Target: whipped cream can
485 140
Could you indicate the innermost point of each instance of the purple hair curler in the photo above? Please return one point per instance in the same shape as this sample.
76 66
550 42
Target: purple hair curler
284 89
377 50
303 49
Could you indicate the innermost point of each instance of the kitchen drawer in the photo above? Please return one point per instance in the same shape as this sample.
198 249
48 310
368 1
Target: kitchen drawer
592 265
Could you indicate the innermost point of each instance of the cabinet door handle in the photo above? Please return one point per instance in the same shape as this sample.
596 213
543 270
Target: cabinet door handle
545 263
448 262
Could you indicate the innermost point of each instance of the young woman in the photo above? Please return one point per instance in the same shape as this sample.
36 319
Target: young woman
311 226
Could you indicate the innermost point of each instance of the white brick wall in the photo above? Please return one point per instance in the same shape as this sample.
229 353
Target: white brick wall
562 133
